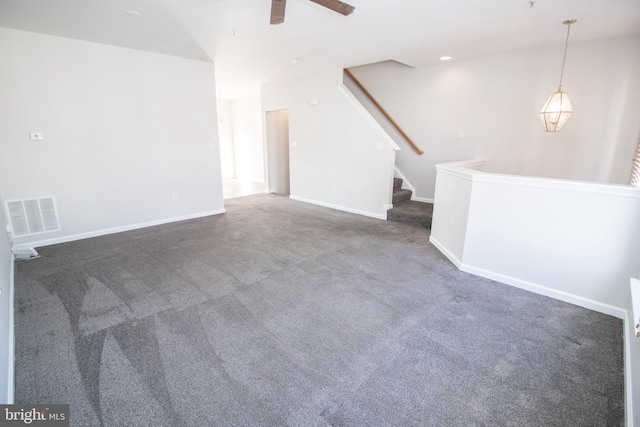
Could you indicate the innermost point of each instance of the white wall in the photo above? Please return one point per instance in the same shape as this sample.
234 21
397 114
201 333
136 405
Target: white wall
495 100
578 238
336 161
277 135
241 142
123 131
6 315
225 134
575 241
246 119
450 218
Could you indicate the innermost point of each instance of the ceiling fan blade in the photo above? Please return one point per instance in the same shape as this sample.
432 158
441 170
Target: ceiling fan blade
277 11
336 6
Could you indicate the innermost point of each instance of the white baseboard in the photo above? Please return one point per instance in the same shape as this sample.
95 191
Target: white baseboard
407 185
405 182
628 329
340 208
97 233
445 252
422 199
546 291
594 305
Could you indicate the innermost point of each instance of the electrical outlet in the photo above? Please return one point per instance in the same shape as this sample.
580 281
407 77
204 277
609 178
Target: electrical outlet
175 196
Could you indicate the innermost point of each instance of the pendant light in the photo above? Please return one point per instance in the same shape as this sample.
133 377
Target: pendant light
557 110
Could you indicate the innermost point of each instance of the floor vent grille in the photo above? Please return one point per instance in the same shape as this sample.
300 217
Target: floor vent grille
32 216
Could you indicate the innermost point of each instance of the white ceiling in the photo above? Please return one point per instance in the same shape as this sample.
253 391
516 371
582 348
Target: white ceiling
413 32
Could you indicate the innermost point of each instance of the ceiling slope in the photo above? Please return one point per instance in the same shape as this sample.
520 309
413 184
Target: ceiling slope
248 51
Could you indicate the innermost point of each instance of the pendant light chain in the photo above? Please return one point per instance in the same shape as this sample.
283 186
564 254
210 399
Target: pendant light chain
564 57
557 109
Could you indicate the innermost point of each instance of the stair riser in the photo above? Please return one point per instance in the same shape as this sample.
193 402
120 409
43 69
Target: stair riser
407 211
397 184
412 220
412 212
401 196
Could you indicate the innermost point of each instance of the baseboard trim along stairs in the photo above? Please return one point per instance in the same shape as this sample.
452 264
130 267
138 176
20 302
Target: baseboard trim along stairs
409 211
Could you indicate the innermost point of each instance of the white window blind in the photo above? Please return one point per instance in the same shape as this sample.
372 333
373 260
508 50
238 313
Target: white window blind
635 168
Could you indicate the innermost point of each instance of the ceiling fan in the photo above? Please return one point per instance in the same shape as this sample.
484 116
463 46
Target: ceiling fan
277 8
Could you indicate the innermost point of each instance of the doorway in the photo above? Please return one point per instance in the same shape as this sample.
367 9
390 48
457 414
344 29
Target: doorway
277 124
240 129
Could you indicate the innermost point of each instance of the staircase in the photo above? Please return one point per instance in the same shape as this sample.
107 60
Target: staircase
406 210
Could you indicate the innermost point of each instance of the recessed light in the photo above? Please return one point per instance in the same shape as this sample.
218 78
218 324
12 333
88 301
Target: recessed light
234 33
133 13
293 61
445 58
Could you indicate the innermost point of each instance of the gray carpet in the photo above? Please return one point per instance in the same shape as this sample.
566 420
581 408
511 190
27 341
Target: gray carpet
284 313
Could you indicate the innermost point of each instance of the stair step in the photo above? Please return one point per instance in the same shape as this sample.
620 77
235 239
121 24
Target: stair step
400 196
412 212
397 183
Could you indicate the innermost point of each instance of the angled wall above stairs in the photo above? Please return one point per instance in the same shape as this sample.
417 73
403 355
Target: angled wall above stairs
495 101
336 158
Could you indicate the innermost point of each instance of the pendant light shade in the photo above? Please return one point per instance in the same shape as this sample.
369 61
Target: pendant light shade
557 110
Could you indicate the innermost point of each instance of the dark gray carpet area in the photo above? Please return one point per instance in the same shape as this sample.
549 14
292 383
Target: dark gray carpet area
284 313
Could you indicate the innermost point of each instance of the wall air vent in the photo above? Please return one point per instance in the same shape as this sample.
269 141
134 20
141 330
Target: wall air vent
32 216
